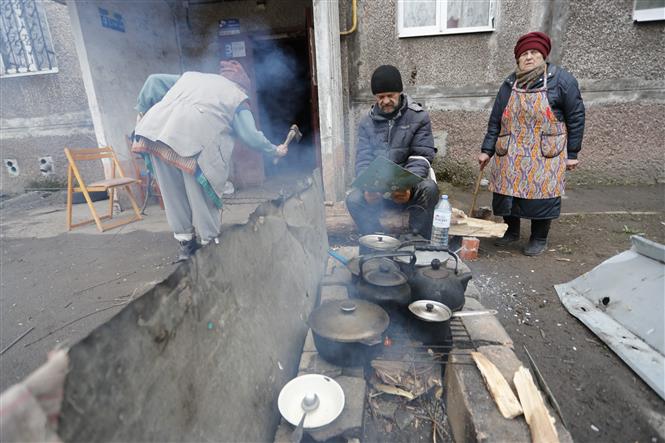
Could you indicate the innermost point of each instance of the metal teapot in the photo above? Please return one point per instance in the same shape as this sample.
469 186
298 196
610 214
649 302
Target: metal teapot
439 283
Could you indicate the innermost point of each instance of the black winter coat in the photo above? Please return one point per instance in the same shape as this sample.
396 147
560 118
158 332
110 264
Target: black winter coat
408 133
563 94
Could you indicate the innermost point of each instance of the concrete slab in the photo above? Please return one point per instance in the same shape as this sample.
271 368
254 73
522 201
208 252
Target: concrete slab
339 275
350 422
335 292
484 330
313 363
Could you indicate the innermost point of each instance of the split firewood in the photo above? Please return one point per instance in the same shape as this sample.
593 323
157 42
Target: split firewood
541 423
393 390
503 396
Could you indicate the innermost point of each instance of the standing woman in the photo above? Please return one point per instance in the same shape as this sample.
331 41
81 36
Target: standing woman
533 136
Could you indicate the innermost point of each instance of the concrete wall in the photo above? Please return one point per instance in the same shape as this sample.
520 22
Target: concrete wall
619 64
41 114
115 64
203 355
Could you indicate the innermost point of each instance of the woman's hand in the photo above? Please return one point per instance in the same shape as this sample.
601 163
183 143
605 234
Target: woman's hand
282 150
401 197
483 159
571 163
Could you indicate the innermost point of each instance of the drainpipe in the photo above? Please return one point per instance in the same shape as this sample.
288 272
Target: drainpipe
354 20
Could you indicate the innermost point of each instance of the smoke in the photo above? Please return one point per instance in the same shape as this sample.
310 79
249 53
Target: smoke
278 68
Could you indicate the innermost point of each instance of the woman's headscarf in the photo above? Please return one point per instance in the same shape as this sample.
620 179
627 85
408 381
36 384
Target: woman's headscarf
234 71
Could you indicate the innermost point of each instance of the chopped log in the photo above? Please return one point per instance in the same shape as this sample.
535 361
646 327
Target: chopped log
537 416
503 396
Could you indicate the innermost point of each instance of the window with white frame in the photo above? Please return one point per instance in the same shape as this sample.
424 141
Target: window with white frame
26 47
649 10
431 17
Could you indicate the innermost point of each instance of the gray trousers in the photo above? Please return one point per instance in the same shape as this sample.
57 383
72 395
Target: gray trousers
186 204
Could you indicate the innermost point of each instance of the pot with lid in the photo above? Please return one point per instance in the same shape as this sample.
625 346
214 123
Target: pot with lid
348 332
431 321
435 281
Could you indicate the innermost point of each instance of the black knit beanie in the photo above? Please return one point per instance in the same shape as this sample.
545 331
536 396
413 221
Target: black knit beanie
386 78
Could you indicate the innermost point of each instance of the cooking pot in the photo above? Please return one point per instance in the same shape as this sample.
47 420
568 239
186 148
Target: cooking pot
435 281
381 281
384 243
348 332
431 321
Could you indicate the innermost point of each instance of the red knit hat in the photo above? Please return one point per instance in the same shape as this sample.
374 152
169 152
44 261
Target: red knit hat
533 40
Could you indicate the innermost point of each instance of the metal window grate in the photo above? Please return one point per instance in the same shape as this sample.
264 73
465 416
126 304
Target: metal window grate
26 47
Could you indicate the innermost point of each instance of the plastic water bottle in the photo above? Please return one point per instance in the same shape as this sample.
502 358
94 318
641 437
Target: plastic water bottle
441 222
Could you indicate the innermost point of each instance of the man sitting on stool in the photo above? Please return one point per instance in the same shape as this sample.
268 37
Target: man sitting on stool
400 130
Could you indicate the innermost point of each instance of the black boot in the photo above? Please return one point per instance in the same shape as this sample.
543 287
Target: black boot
186 249
512 233
538 240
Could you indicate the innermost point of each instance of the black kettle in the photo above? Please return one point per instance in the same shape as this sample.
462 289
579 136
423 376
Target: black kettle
437 282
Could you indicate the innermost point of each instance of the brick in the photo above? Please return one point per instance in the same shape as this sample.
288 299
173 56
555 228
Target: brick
472 291
334 292
339 275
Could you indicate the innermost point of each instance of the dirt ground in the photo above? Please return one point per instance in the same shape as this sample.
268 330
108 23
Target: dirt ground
65 284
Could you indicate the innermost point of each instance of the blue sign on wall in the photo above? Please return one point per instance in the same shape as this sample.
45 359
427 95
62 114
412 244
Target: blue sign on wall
111 21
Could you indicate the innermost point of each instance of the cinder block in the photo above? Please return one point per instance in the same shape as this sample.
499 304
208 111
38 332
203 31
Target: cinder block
472 413
350 422
484 329
334 292
313 363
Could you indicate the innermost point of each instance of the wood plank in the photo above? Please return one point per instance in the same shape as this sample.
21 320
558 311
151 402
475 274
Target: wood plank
541 423
503 396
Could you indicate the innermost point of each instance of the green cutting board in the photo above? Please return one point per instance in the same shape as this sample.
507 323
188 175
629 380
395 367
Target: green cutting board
382 175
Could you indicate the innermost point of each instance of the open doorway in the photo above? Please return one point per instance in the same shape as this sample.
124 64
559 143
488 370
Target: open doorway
284 96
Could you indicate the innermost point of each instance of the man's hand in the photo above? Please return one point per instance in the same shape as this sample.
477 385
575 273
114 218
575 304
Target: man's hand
372 197
282 150
401 197
571 163
483 159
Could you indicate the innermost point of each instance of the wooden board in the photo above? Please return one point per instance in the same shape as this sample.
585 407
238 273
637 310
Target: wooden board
503 396
537 416
339 222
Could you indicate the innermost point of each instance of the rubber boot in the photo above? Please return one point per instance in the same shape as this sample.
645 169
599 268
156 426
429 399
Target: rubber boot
512 233
538 240
186 249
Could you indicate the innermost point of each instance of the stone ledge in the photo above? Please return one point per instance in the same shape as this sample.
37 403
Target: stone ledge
484 329
472 412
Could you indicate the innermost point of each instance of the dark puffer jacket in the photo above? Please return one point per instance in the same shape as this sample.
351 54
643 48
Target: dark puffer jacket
563 94
408 133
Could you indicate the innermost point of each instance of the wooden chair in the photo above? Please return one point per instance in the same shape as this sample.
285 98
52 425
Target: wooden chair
108 185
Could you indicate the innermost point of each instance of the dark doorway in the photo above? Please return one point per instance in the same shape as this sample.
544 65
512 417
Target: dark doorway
283 91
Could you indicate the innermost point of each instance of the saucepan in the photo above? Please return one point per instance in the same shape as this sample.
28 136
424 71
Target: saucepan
431 321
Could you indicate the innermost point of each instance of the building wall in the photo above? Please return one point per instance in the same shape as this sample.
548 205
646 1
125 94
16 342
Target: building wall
41 114
619 64
115 64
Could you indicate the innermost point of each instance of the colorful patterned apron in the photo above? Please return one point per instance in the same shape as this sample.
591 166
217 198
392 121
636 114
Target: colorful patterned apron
530 153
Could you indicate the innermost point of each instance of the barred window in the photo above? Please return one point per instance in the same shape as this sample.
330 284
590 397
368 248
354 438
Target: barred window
26 47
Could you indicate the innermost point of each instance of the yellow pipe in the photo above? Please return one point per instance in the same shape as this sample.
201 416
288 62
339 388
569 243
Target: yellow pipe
354 21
